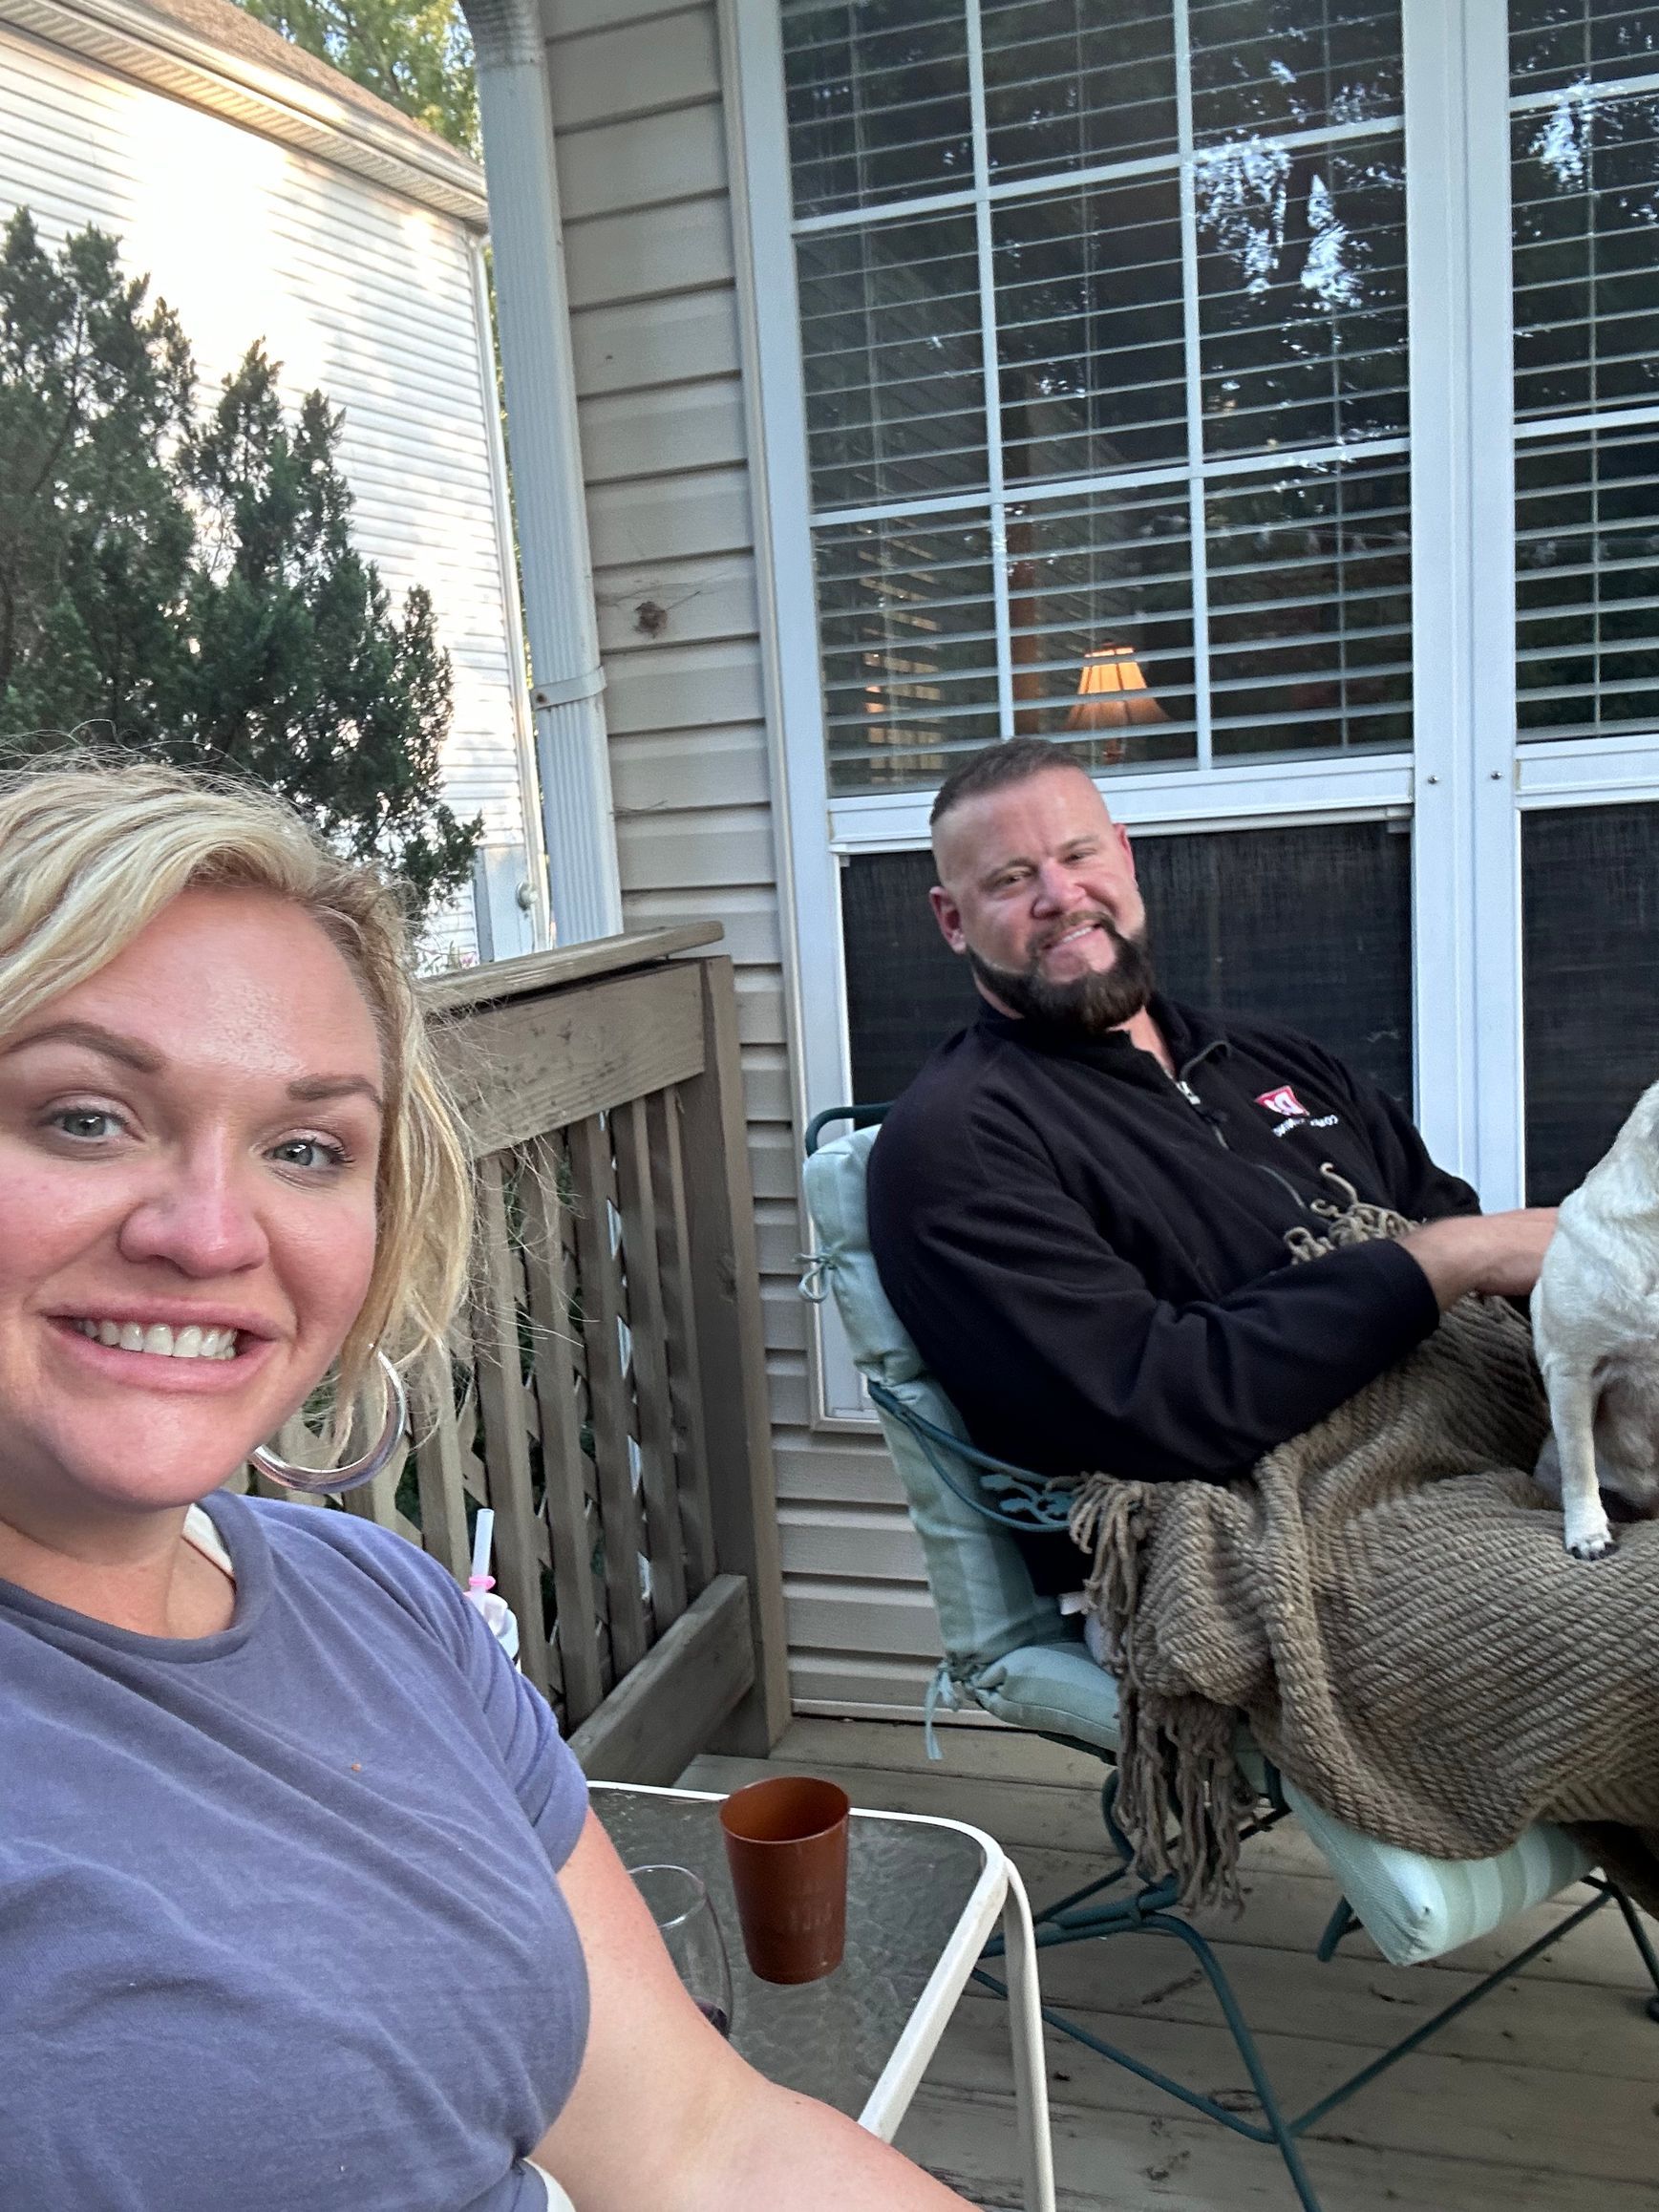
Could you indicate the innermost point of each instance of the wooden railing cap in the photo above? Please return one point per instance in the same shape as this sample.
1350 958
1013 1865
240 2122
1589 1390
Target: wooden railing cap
492 981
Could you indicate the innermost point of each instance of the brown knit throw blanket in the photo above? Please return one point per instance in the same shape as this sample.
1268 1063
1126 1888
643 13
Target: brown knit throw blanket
1389 1604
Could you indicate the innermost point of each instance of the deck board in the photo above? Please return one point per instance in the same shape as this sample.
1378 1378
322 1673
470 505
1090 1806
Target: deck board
1544 2099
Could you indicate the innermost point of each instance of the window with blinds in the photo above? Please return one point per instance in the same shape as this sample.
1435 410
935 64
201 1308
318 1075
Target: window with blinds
1584 147
1103 330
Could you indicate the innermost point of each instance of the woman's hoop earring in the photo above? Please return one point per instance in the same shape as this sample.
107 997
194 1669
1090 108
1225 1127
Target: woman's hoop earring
317 1479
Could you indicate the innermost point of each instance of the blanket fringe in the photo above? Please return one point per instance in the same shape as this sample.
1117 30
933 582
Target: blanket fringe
1357 1220
1182 1800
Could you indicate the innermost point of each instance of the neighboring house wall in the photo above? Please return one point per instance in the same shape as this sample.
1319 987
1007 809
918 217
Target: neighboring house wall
354 287
648 249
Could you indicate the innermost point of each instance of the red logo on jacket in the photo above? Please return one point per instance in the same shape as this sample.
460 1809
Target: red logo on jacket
1284 1102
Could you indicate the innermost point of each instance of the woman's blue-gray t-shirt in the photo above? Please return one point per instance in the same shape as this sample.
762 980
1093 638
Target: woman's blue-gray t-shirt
278 1928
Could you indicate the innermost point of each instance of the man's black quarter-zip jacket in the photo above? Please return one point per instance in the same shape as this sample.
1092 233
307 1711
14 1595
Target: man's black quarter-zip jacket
1091 1256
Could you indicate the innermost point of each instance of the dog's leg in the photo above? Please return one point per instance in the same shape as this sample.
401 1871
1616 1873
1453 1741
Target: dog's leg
1572 1415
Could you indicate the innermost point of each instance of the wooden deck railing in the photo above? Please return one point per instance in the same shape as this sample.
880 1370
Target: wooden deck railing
605 1391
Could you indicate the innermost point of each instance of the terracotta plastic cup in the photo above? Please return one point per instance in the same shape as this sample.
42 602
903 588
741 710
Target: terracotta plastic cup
786 1845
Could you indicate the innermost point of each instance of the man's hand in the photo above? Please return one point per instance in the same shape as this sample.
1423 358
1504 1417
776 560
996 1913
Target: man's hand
1500 1254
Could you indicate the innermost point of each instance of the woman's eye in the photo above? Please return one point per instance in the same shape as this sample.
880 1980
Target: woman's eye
309 1153
88 1124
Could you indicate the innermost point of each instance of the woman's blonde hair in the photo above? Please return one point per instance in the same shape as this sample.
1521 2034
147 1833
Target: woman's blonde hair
91 853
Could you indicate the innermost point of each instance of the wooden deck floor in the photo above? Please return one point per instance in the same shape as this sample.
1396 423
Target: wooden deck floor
1544 2099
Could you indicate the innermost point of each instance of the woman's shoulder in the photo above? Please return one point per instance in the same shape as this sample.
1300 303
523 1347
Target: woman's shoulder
318 1554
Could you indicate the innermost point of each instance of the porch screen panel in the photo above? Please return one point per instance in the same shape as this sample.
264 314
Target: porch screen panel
1585 143
1590 907
1308 926
1121 292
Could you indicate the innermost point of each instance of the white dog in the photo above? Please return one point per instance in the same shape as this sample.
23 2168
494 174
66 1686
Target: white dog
1595 1320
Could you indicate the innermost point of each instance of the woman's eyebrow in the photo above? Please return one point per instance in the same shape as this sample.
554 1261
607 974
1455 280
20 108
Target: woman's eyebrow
308 1090
316 1090
109 1042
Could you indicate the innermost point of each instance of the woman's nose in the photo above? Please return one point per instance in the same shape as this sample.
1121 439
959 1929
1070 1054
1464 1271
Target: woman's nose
199 1220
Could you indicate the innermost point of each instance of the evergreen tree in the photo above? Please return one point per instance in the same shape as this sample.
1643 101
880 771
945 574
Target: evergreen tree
417 54
190 589
297 673
95 533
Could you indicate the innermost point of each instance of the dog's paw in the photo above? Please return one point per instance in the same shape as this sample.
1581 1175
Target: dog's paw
1594 1543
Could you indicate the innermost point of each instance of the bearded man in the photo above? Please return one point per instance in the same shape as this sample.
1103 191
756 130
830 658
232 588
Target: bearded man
1079 1207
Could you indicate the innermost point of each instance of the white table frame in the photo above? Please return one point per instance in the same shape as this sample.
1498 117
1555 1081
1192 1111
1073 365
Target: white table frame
998 1895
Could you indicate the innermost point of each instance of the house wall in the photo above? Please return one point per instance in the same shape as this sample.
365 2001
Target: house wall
352 288
643 176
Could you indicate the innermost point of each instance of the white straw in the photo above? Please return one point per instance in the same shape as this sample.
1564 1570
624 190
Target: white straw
483 1535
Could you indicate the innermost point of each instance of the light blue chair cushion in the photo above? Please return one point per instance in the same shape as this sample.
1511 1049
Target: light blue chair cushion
1010 1652
981 1590
1416 1909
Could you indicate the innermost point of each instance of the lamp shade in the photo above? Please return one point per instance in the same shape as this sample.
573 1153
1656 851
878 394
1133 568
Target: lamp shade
1112 692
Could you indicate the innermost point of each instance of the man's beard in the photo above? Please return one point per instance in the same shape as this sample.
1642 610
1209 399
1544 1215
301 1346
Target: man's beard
1088 1005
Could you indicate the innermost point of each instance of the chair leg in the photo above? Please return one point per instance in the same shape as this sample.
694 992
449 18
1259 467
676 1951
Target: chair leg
1283 2133
1273 2132
1336 1928
1644 1943
1120 1842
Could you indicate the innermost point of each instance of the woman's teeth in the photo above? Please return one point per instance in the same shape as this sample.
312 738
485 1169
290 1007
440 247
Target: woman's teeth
190 1343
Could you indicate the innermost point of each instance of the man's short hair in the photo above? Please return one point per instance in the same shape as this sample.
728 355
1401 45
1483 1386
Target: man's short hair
1013 761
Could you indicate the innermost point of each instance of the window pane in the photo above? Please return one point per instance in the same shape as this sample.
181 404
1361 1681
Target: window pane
1101 608
1311 927
1586 193
890 344
1586 247
877 101
908 640
1556 42
1302 273
1089 313
1310 610
1219 314
1069 84
1587 558
1590 948
1260 66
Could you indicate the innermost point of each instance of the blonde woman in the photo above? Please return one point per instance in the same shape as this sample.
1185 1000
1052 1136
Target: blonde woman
301 1905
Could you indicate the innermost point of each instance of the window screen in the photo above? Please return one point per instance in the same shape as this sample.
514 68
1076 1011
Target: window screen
1584 128
1103 334
1308 926
1591 938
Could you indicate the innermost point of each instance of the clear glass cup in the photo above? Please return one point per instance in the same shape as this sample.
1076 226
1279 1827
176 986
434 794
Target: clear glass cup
678 1903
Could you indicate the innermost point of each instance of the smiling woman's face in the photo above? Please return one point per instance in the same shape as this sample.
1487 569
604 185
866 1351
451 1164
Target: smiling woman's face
188 1145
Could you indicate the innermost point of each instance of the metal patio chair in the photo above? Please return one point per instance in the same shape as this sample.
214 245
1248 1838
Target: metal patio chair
1009 1651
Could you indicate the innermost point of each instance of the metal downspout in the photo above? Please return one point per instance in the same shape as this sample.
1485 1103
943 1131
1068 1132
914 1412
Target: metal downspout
533 315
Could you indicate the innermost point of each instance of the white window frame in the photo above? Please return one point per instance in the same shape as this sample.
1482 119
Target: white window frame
1466 782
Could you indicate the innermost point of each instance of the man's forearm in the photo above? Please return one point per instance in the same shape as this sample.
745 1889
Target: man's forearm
1500 1254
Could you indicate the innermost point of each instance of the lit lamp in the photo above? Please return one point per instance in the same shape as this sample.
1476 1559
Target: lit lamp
1112 692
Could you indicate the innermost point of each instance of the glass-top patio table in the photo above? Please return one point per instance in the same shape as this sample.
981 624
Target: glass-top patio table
922 1896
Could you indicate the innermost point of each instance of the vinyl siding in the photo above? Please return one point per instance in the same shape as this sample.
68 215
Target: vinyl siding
351 288
643 191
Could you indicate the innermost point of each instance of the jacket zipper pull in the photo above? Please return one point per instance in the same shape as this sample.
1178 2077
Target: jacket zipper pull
1200 1109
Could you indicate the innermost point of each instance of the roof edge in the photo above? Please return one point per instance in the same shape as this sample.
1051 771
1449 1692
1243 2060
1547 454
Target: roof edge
176 60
